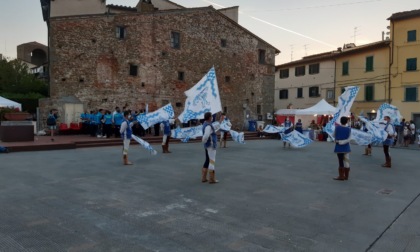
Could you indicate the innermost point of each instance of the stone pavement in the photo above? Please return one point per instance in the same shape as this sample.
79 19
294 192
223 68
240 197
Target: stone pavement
268 199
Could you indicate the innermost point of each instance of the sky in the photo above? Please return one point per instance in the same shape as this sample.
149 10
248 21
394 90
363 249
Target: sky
297 28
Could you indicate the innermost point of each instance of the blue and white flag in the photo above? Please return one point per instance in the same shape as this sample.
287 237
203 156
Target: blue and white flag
273 129
187 133
144 144
376 130
345 101
203 97
237 137
225 125
388 110
163 114
361 137
296 139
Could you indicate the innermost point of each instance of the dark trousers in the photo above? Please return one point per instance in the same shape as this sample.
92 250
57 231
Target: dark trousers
107 130
386 150
207 162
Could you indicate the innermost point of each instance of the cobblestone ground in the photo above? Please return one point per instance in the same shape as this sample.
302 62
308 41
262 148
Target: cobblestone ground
269 198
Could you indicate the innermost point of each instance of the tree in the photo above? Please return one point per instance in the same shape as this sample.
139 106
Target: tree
15 80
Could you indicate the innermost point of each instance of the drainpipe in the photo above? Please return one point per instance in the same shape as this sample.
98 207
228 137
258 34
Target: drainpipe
391 61
335 70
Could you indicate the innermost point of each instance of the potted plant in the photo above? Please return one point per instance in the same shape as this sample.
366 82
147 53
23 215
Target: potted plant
13 114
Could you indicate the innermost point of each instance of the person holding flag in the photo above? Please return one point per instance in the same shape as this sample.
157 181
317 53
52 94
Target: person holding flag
210 144
126 133
389 128
342 135
165 127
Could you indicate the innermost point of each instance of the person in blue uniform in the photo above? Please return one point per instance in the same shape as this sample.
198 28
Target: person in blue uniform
107 124
289 128
342 136
299 126
118 119
389 128
165 126
85 118
210 145
126 133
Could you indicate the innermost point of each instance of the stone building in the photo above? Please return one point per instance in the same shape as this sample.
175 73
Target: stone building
115 55
35 56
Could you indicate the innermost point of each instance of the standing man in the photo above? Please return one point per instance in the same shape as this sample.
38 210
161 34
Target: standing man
210 144
223 133
389 128
165 126
126 133
52 122
117 120
342 135
299 126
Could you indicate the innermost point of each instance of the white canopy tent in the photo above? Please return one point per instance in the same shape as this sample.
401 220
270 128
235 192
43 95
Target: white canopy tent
286 112
321 108
4 103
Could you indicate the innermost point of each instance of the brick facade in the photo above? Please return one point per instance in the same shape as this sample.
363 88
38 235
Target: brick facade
90 63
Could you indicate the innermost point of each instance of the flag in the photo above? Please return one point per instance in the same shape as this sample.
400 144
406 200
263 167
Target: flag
345 101
296 139
237 137
361 137
273 129
201 98
160 115
144 144
376 130
388 110
187 133
225 125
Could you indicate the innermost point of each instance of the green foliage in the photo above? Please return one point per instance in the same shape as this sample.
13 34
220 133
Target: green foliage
15 79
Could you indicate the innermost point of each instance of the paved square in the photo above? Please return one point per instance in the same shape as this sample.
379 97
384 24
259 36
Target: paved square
268 199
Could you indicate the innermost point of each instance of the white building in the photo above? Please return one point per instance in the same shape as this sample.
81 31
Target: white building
303 83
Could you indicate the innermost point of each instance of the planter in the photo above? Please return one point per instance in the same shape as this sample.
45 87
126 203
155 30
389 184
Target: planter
17 116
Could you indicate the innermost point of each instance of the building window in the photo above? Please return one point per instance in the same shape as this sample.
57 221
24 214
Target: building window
314 68
261 56
133 70
283 94
300 92
369 93
227 78
300 71
411 94
178 104
345 68
369 64
223 42
181 76
330 94
411 36
225 110
175 40
284 73
314 92
411 64
259 109
120 32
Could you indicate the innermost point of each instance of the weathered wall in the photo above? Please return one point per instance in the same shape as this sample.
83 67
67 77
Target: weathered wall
91 63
